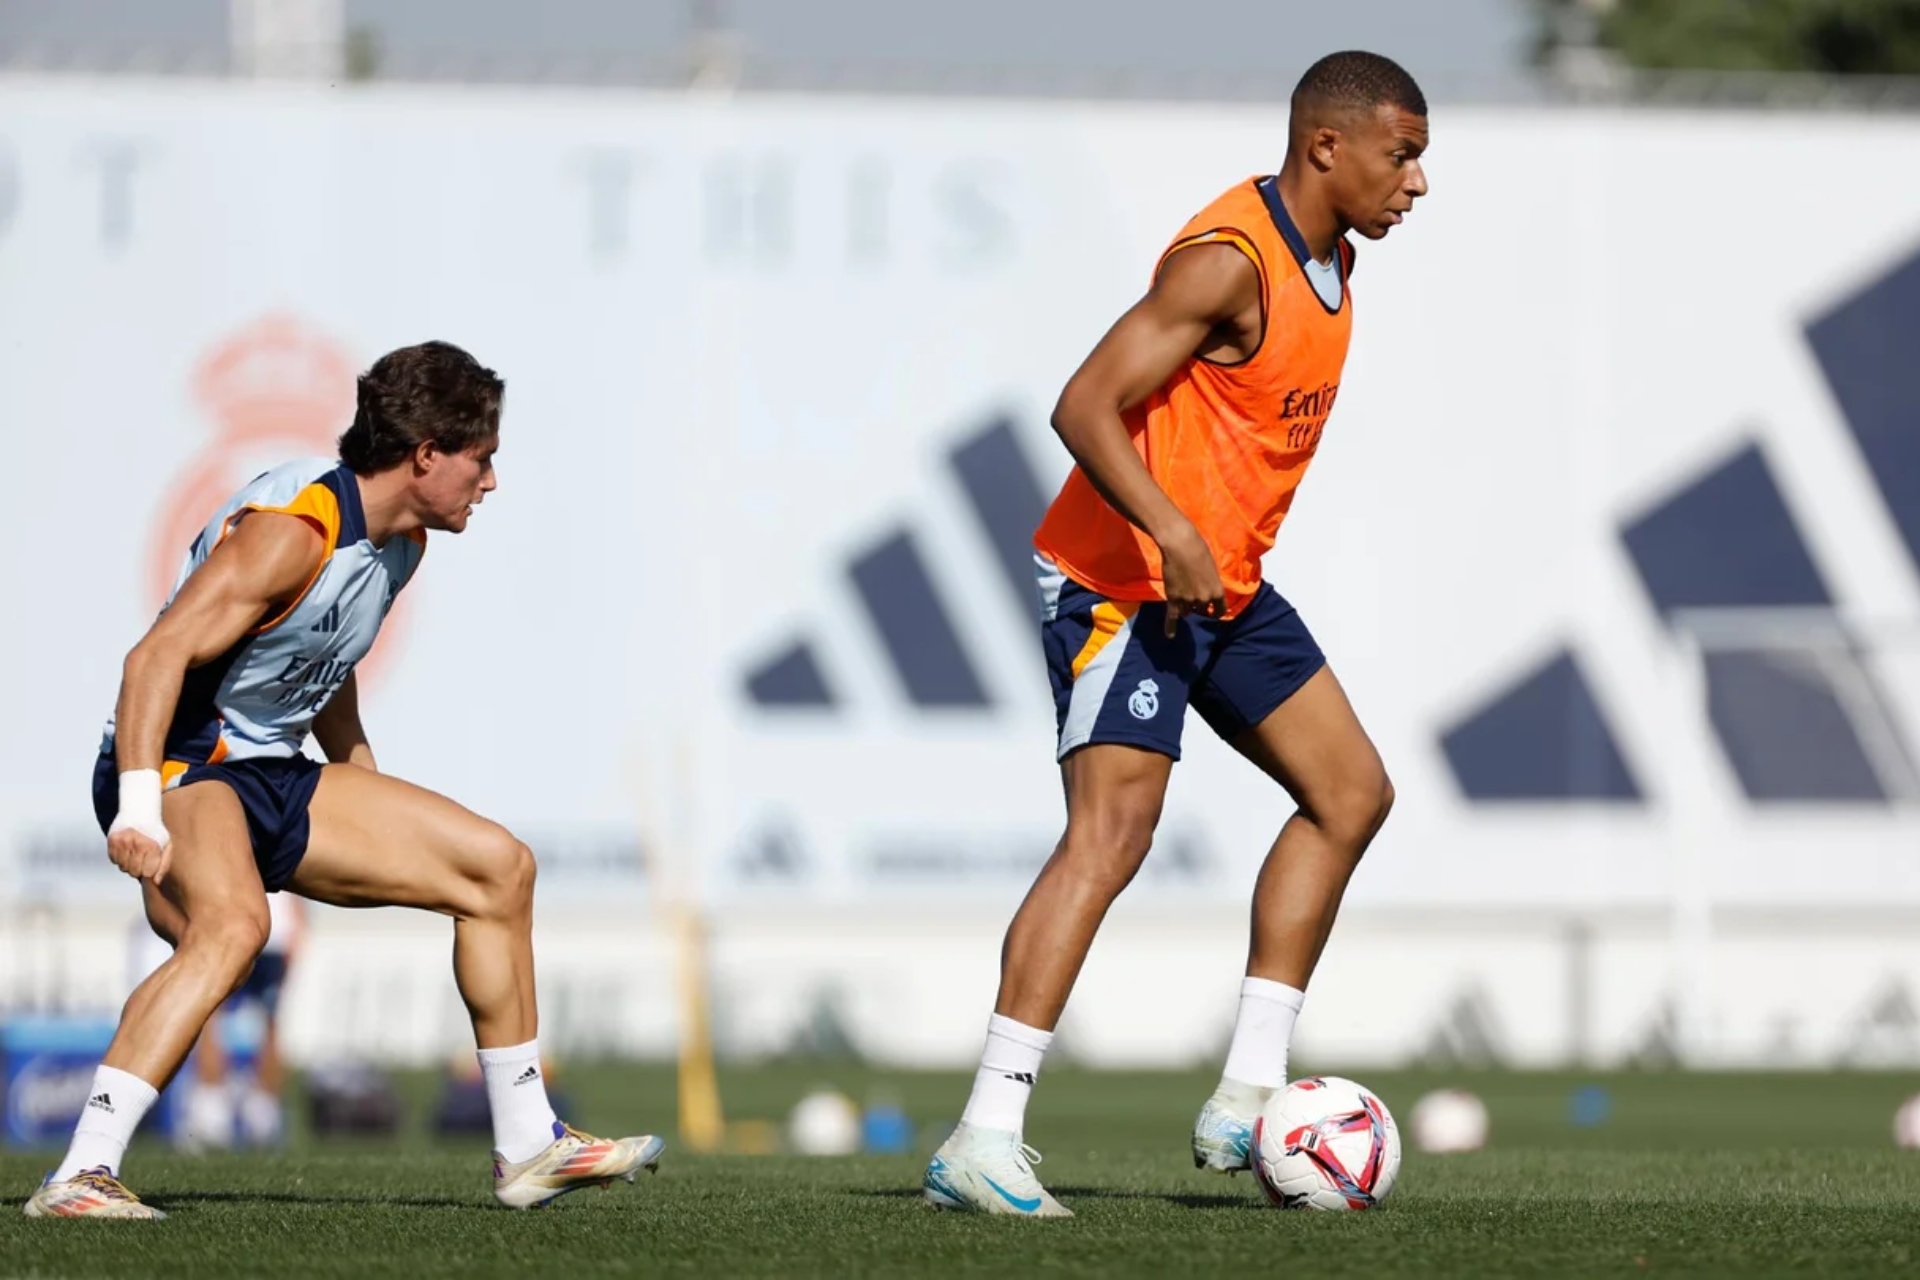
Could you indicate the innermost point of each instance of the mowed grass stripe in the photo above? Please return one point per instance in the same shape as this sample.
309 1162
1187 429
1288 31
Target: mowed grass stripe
1673 1197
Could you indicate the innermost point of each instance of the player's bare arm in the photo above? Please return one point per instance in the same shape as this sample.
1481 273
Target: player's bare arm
1204 302
1192 426
283 592
342 738
261 566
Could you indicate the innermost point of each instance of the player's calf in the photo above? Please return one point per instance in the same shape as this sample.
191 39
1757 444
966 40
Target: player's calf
165 1013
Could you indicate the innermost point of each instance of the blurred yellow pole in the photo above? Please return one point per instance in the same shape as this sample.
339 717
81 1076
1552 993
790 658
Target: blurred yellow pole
703 1126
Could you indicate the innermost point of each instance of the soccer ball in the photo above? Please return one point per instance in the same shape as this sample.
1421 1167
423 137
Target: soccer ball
1906 1125
1448 1120
824 1123
1327 1144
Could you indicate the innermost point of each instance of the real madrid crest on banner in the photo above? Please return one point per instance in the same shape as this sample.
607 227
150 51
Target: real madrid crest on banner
276 390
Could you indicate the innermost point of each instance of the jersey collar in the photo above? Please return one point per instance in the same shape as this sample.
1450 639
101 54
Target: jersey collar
1269 188
353 516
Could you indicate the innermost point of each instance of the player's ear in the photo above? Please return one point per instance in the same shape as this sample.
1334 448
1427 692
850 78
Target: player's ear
1324 146
425 455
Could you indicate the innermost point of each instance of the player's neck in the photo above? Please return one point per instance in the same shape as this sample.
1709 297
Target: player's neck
1317 223
383 499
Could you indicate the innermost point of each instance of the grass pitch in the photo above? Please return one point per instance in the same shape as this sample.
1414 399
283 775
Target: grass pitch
1687 1175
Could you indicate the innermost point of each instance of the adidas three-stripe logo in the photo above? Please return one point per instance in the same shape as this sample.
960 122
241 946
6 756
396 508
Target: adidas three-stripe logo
103 1101
894 582
1726 536
530 1074
329 621
1024 1077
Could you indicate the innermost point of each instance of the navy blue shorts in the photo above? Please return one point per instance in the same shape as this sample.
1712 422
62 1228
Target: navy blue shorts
1118 678
273 792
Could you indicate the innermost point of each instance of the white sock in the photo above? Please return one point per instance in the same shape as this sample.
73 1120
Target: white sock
261 1121
523 1119
1004 1082
207 1119
115 1106
1258 1055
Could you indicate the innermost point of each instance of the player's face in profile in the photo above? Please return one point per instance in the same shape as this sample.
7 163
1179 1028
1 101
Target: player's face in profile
1378 174
455 483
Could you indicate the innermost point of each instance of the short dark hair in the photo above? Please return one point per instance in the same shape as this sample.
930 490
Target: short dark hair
431 392
1354 80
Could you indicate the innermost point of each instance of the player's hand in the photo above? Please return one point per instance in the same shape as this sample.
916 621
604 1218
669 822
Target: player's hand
1192 579
138 841
139 854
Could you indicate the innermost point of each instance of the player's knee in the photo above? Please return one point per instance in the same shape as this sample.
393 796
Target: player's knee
234 937
1355 813
1109 842
506 875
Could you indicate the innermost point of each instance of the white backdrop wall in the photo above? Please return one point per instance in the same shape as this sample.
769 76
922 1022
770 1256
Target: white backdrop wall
779 371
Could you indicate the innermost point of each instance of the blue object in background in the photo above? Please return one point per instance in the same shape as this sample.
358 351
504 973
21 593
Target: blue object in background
885 1130
46 1067
1590 1107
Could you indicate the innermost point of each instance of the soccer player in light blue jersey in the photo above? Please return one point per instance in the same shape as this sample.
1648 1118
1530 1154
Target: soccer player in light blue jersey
206 798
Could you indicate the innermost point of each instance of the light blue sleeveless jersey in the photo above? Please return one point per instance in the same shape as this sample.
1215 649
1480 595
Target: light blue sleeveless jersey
259 697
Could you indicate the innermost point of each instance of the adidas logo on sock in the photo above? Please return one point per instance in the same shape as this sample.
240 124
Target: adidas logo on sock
1024 1077
530 1074
102 1101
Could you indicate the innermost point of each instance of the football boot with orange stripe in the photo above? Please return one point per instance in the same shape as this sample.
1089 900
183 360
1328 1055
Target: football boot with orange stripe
573 1161
91 1193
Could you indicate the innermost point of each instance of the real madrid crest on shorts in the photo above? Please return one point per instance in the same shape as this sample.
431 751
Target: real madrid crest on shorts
1145 701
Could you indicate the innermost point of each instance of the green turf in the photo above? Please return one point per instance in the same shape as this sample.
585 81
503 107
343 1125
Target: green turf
1691 1175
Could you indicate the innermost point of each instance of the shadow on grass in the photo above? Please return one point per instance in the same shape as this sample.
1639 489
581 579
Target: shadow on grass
183 1198
1186 1200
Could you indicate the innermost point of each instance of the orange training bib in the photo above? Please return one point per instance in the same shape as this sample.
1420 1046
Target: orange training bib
1228 443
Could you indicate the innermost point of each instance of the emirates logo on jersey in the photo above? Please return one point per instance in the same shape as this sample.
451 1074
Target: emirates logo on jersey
1303 403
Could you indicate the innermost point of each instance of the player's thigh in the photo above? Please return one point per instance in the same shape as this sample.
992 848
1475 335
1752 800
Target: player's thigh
375 840
212 875
1270 693
1314 746
166 920
1115 792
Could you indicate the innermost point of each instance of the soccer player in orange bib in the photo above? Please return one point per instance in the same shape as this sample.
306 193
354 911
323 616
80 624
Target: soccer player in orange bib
1192 423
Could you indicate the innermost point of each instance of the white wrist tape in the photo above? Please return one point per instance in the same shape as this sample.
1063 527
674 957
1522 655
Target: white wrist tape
140 806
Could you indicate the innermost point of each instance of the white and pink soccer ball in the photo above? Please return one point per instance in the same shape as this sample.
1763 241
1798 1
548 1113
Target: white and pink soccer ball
1906 1125
1325 1143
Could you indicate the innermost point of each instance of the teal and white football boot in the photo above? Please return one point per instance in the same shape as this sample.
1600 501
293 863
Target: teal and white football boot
988 1171
1223 1134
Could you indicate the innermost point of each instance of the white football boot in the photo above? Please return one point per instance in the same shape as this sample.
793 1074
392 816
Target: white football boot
1223 1134
91 1193
573 1160
988 1171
